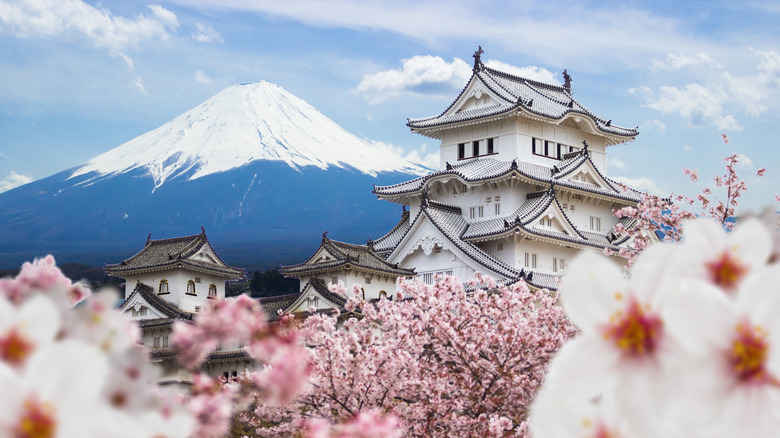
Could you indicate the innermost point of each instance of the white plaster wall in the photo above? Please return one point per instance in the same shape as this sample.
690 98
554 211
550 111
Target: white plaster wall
545 252
177 286
438 262
514 140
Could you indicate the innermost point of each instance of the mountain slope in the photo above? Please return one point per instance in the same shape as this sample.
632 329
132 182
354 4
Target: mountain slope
264 173
242 124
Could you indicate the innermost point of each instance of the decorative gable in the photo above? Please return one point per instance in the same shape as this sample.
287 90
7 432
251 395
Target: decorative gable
586 173
138 308
206 255
476 95
554 219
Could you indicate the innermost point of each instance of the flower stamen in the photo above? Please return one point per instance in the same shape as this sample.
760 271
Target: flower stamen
15 347
635 331
749 354
37 421
726 271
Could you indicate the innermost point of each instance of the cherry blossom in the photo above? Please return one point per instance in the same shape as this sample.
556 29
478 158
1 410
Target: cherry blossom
24 329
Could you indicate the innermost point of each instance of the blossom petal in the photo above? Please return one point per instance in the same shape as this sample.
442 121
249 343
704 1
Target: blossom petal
40 319
751 242
589 288
700 316
72 373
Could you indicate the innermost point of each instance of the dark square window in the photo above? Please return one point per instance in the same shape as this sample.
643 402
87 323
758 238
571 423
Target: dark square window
475 145
490 149
461 151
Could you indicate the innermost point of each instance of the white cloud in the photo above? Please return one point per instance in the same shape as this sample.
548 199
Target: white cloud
139 84
428 160
530 72
687 148
745 163
616 163
641 183
676 61
201 77
419 75
655 125
751 95
14 180
533 28
206 34
696 103
68 19
432 75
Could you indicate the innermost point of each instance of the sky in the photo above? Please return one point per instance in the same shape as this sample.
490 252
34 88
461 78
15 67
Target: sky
78 78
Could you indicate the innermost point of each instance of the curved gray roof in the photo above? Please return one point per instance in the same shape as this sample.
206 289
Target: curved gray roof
520 94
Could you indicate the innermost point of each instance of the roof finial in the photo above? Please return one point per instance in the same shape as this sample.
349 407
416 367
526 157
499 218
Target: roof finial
148 238
477 61
566 80
424 200
403 209
325 235
585 149
202 230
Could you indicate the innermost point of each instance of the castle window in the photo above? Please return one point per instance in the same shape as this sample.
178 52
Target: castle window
475 147
165 342
530 260
368 280
476 212
461 151
197 279
427 278
191 288
212 291
197 309
156 342
334 280
545 148
595 223
497 209
500 247
163 287
546 222
490 147
437 250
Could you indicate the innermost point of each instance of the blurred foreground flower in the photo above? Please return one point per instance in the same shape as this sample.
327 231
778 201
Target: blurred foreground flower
687 347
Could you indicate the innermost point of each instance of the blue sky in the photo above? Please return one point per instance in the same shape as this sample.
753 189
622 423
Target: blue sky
78 78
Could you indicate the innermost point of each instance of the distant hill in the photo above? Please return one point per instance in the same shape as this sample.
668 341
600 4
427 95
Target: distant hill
263 171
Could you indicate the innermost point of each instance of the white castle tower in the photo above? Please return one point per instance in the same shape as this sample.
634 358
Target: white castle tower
522 185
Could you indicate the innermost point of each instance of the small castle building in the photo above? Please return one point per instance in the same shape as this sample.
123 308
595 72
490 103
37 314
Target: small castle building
170 280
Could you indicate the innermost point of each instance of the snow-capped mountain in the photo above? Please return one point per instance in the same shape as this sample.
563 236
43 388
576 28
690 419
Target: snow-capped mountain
242 124
263 171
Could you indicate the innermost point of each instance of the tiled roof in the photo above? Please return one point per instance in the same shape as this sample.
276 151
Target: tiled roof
272 305
452 225
524 218
158 303
360 256
177 251
546 100
482 169
322 289
389 241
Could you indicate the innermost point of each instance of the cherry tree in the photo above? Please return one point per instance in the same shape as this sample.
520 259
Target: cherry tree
441 360
668 215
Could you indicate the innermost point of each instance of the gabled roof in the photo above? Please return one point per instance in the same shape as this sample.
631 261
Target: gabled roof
517 95
449 221
390 240
486 169
316 286
190 252
159 304
272 305
333 255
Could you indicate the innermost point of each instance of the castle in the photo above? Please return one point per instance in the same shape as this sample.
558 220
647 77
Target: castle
522 187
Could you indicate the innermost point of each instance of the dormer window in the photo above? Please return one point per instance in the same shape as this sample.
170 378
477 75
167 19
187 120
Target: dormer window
212 291
191 288
163 287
